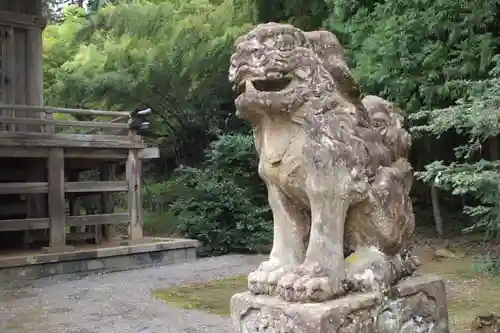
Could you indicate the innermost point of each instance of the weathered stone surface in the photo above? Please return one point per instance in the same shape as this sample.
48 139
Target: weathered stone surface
335 166
414 305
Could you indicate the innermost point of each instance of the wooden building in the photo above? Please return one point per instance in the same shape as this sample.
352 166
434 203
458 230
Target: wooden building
40 162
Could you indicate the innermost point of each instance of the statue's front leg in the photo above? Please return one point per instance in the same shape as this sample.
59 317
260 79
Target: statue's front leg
321 276
290 228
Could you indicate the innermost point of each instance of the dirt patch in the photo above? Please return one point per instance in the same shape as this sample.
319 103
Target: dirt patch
469 293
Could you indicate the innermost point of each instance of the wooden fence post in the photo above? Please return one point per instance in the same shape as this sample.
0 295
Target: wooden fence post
134 195
55 166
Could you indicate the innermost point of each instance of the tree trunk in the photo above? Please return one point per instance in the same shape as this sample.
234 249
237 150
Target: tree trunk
494 152
494 148
436 210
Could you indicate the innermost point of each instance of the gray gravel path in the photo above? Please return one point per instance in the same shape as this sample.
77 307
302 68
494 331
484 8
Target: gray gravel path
117 302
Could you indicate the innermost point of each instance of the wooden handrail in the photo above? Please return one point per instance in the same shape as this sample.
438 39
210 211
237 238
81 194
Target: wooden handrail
49 109
63 123
120 120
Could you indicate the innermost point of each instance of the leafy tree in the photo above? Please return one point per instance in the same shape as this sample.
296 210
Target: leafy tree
478 117
420 55
417 52
169 55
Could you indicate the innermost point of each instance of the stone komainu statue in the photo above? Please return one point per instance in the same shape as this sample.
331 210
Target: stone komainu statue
335 167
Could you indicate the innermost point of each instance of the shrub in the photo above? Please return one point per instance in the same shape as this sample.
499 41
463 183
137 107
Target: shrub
223 204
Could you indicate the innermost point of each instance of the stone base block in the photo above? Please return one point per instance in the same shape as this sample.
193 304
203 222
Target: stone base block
33 265
414 305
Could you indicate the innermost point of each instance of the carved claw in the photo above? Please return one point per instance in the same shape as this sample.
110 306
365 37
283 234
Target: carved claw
264 280
309 284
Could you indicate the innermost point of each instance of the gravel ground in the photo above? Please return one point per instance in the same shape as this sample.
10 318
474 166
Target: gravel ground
117 302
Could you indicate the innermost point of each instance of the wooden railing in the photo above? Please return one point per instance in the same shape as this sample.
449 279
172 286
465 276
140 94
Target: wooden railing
47 119
45 131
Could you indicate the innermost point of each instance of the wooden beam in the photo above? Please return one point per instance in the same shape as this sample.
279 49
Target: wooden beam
34 152
96 186
12 139
100 154
100 219
49 109
24 224
79 236
24 188
55 167
133 171
149 153
63 123
76 221
22 20
71 187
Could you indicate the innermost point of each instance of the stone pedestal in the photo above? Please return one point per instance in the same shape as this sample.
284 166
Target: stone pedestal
414 305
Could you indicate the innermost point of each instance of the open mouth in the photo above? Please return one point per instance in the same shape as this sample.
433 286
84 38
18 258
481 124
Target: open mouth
264 85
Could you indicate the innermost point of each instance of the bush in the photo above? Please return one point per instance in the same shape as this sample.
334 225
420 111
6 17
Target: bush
223 204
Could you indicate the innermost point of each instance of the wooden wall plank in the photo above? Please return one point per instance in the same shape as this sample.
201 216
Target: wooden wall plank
10 78
20 82
24 188
24 224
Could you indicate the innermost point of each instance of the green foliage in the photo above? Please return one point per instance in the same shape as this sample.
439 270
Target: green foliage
478 117
488 264
169 55
416 53
434 56
222 204
474 115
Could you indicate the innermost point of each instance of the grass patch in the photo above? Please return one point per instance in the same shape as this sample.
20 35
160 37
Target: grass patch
210 296
469 293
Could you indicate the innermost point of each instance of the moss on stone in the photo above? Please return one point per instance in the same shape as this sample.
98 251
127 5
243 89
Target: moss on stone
213 296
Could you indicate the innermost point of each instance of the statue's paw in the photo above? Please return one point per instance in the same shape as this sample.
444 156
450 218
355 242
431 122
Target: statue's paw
264 280
309 284
369 270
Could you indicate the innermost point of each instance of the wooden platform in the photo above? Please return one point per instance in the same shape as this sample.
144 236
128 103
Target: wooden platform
115 256
41 162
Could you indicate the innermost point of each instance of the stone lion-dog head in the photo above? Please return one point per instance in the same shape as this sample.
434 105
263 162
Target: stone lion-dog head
277 67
